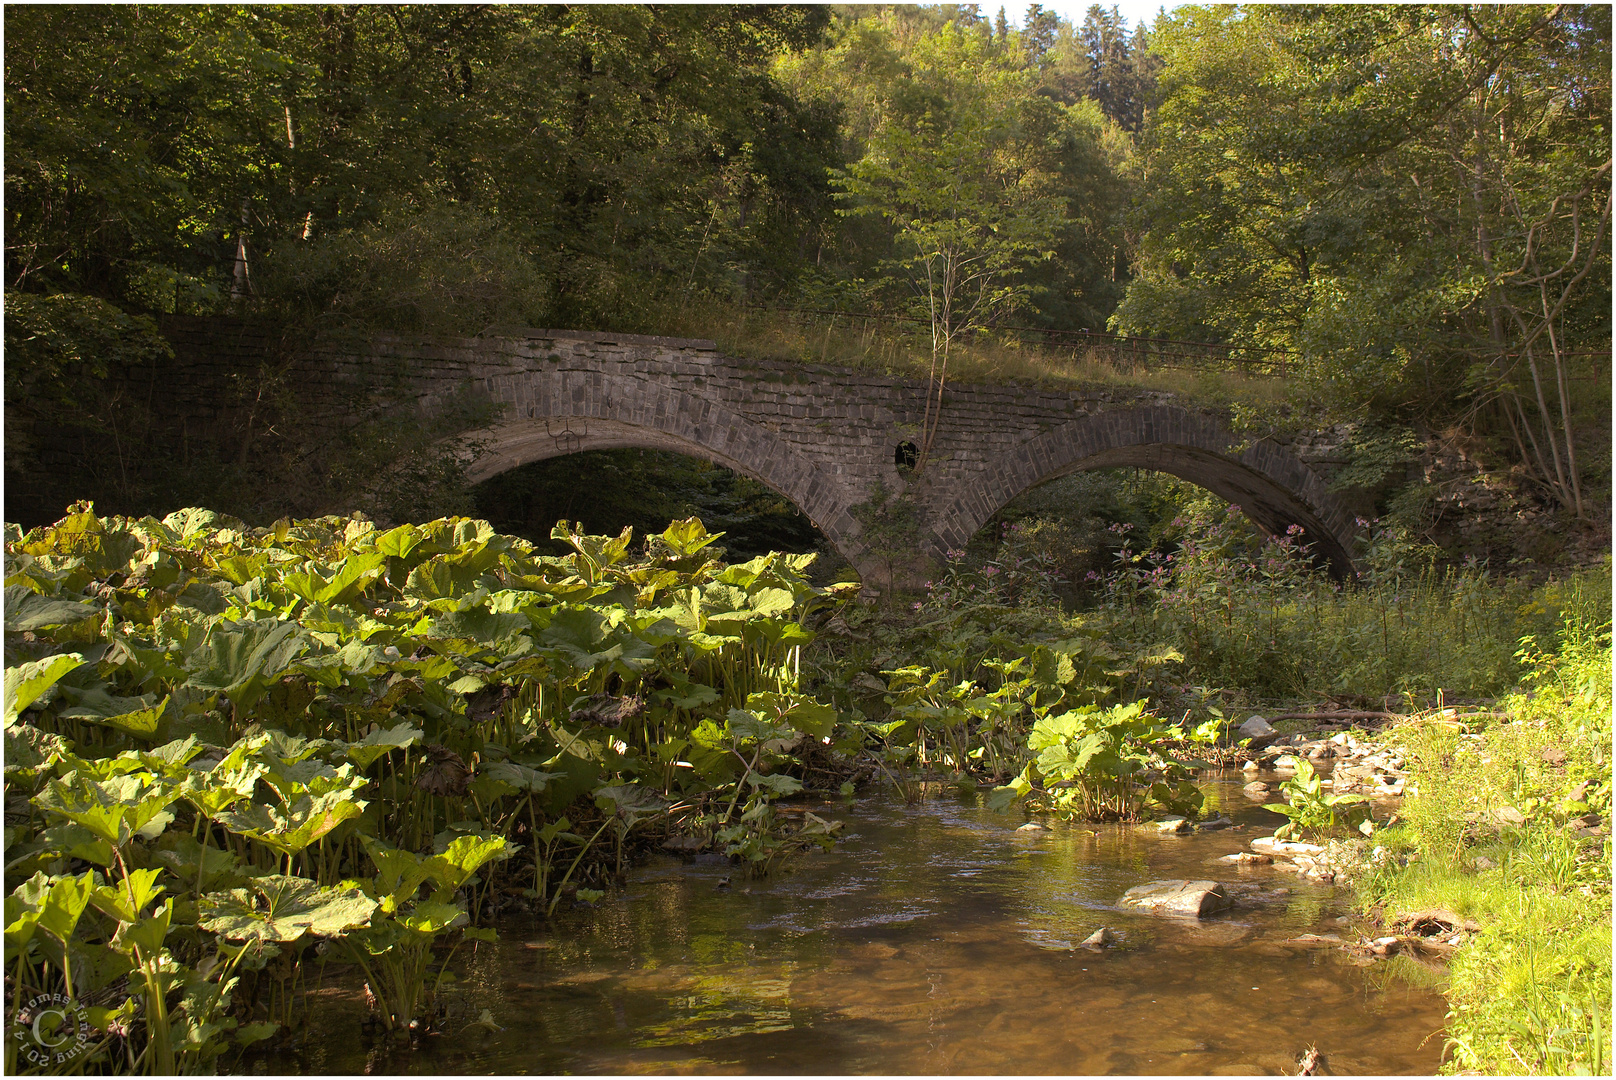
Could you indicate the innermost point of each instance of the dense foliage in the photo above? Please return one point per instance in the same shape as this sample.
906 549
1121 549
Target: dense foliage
233 754
1410 198
1401 199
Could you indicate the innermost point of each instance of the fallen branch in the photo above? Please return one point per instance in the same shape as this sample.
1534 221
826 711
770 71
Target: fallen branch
1342 715
1366 714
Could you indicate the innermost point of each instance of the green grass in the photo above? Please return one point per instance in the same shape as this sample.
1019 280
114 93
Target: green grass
904 349
1530 993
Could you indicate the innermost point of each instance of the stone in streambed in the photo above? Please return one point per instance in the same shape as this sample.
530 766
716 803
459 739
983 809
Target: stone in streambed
1288 848
1250 858
1099 939
1195 899
1255 727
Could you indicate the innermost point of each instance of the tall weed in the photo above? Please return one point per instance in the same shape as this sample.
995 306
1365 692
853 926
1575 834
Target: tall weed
1256 613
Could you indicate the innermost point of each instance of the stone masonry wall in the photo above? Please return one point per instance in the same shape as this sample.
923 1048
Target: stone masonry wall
822 436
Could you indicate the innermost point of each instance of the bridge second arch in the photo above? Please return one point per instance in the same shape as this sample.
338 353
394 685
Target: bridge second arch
1269 484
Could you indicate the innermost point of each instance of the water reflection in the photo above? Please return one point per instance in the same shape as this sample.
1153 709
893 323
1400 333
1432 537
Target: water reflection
935 939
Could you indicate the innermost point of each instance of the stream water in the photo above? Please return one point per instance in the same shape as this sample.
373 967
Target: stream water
932 939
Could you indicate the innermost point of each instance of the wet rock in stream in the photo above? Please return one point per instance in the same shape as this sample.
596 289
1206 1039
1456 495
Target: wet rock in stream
1194 899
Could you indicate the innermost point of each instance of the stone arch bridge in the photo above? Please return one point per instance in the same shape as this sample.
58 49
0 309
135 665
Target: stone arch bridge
827 438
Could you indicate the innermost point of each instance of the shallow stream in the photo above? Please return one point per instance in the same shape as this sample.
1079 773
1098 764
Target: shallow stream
932 939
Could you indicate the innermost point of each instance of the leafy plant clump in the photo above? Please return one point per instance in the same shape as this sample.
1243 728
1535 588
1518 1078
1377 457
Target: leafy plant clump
1313 813
234 755
1104 765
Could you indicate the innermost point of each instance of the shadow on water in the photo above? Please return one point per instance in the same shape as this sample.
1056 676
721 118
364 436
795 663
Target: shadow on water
933 939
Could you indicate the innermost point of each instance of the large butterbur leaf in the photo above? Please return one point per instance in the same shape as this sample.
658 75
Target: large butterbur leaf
346 580
27 610
27 683
115 808
398 543
282 908
685 538
477 630
290 830
138 716
432 916
381 742
27 747
238 659
462 858
399 873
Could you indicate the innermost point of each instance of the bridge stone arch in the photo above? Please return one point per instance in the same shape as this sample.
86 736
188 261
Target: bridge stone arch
1270 485
552 413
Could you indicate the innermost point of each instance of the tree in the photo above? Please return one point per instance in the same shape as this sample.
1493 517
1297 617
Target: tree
969 217
1410 198
1039 33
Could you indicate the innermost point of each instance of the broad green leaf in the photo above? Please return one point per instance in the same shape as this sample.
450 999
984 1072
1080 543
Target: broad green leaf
382 741
237 659
181 856
518 777
22 909
27 747
62 906
347 579
113 809
399 873
751 728
126 899
76 842
431 916
147 934
685 538
281 908
221 787
462 858
778 784
398 543
27 610
291 831
25 683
